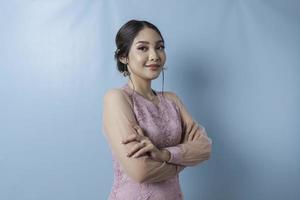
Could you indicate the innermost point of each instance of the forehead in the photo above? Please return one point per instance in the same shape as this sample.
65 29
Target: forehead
147 34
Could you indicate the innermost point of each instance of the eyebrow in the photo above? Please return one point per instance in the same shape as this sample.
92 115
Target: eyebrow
145 42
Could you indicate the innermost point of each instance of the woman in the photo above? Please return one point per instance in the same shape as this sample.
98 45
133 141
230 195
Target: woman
150 133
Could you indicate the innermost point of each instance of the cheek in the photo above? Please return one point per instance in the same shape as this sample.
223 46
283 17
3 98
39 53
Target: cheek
137 57
163 57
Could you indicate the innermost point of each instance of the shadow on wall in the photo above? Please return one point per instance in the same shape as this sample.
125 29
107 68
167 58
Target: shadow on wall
204 82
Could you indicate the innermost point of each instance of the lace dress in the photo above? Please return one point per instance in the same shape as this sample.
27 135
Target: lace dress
169 126
162 125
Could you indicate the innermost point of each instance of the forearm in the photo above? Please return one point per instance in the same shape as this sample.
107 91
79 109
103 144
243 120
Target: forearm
159 171
189 154
167 156
192 151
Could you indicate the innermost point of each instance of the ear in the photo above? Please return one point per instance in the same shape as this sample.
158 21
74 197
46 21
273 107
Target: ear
123 60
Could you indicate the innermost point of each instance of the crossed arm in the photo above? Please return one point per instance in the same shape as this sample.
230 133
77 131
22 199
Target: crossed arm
195 146
118 121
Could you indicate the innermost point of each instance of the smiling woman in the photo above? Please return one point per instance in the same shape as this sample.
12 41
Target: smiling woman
151 134
146 56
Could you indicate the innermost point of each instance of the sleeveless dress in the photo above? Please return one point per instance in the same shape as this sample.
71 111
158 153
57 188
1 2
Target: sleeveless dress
162 124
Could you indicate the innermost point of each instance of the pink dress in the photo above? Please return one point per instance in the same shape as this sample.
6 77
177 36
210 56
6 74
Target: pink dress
169 126
163 126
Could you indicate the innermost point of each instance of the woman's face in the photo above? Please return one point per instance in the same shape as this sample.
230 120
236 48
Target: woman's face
147 55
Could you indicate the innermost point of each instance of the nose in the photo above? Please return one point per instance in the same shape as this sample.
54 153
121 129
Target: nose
153 56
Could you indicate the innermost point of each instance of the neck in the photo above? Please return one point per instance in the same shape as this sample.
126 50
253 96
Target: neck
143 87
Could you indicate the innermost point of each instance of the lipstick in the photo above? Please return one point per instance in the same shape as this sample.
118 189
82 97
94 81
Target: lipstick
153 67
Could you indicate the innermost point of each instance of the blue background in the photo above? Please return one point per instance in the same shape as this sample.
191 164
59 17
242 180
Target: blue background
234 63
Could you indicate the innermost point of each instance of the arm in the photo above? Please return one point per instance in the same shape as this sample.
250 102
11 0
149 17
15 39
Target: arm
195 146
118 120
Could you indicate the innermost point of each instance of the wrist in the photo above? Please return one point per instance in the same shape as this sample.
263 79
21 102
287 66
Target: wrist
166 155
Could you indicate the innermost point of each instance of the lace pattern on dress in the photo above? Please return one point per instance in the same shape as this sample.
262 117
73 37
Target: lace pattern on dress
162 124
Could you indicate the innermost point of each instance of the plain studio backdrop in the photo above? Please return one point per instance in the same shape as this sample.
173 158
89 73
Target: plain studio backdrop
234 63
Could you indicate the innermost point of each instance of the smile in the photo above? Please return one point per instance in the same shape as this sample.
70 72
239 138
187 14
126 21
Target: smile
153 66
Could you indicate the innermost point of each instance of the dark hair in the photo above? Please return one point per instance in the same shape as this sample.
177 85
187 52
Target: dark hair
125 37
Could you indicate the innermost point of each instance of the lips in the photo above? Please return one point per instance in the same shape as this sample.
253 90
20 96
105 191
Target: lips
153 66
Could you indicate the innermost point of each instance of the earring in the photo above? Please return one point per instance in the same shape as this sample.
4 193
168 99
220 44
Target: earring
164 68
126 72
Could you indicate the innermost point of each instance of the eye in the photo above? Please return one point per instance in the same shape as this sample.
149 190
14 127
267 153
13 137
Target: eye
143 48
161 47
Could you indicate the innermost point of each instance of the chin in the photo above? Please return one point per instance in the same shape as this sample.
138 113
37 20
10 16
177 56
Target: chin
155 76
151 77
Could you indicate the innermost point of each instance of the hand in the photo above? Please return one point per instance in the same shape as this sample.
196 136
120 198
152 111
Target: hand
145 146
195 133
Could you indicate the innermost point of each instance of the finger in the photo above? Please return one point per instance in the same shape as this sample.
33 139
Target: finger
139 130
135 126
193 132
191 136
135 148
130 138
143 151
197 136
202 132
